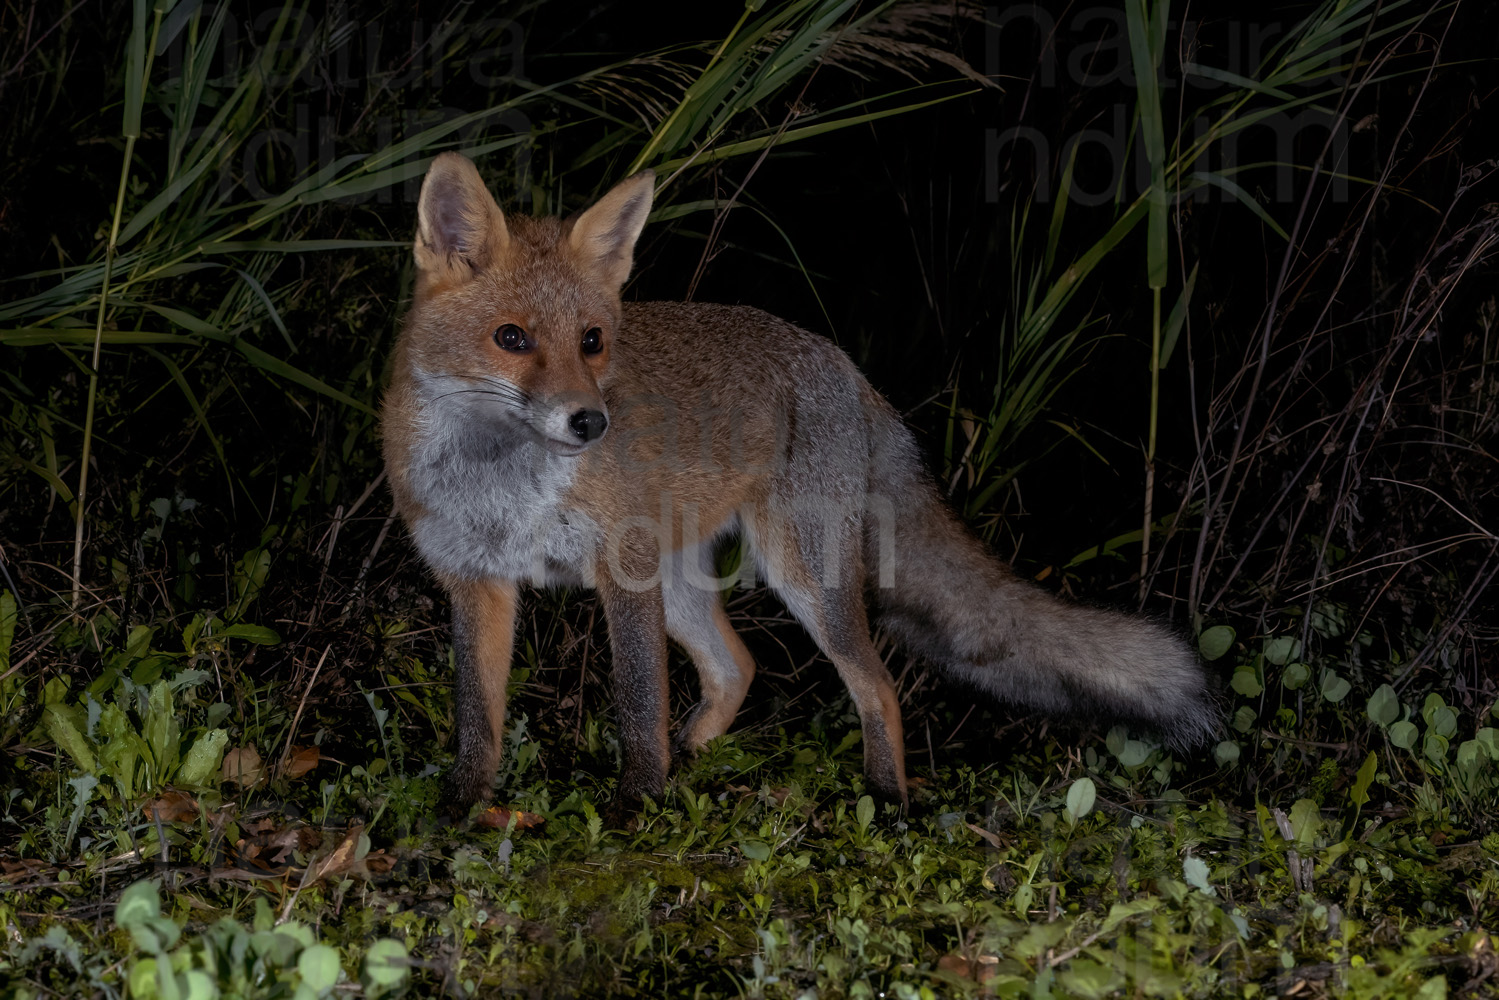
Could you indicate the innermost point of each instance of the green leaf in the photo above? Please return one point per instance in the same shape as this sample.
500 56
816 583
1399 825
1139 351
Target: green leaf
319 968
300 933
1435 748
1235 80
1488 740
121 749
1306 821
249 578
1088 979
1243 719
1469 753
1403 734
1174 323
1246 681
1295 676
386 963
1334 687
138 902
1145 57
137 67
8 616
1218 180
168 196
1384 706
63 729
1134 753
864 811
1444 722
142 978
1080 798
202 763
1120 912
1282 650
756 850
199 986
252 633
1430 706
1434 988
1195 872
162 733
270 363
1214 642
1115 740
1226 753
1359 794
1059 210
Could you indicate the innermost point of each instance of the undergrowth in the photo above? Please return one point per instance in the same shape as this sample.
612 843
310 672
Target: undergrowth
224 677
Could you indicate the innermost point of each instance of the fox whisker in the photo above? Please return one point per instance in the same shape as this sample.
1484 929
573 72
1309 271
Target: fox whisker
512 401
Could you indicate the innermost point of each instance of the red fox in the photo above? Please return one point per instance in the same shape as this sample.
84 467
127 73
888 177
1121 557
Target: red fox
539 431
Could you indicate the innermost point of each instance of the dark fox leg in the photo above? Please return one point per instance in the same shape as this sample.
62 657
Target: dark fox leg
483 638
637 642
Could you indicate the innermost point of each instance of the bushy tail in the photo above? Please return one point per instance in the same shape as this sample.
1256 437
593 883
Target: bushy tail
955 604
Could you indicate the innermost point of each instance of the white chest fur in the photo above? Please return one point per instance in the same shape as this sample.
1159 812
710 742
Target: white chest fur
495 497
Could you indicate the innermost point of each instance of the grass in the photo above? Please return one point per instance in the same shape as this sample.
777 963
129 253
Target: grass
1083 867
224 703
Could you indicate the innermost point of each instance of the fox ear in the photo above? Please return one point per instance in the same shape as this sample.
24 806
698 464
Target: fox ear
605 234
458 222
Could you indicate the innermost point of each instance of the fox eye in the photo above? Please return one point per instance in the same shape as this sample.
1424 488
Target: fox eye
512 338
593 340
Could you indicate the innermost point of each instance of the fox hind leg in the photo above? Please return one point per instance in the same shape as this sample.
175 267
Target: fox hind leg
695 619
819 578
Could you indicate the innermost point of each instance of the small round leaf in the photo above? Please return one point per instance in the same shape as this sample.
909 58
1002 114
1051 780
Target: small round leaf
1334 687
1384 706
1214 642
137 903
319 967
1080 798
1134 753
386 963
1245 681
1282 650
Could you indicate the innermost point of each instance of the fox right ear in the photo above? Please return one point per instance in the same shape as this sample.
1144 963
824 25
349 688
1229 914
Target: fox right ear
459 229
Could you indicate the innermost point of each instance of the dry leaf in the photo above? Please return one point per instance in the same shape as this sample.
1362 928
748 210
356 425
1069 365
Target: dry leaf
991 838
289 839
302 760
243 767
980 970
172 807
18 869
337 860
379 862
498 818
956 964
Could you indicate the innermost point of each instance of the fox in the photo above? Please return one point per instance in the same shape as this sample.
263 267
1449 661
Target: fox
540 431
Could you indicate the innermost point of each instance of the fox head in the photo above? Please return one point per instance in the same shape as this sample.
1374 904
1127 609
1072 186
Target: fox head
517 316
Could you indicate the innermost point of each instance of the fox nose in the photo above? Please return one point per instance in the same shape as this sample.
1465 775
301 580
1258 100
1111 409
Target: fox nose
588 425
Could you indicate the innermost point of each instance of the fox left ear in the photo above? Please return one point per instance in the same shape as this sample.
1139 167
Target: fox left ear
605 234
